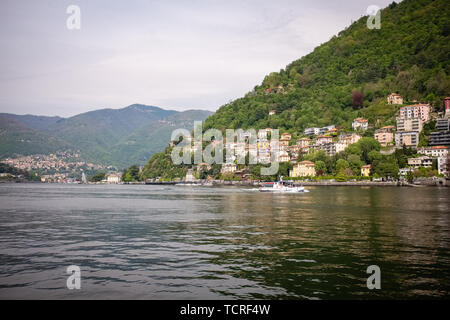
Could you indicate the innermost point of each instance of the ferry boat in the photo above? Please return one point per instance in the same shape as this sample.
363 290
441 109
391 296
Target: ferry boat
281 186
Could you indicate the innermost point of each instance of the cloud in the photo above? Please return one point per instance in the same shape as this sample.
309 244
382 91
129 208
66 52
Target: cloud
174 54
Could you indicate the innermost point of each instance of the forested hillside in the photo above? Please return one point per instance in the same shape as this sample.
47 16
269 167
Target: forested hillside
352 74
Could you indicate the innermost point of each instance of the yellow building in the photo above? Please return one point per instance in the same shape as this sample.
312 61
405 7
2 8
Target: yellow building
365 170
303 169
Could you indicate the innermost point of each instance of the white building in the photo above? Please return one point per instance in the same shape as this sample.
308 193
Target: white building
360 124
340 146
113 178
423 161
436 151
442 165
283 156
228 168
404 171
312 131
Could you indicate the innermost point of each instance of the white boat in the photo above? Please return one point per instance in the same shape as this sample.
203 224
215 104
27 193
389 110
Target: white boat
281 186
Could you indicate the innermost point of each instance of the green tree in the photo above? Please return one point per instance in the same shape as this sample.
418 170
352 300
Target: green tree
374 155
131 174
341 165
387 168
98 177
355 164
321 167
367 145
341 176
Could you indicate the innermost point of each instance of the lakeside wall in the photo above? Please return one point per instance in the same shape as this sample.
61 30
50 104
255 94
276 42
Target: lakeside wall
418 183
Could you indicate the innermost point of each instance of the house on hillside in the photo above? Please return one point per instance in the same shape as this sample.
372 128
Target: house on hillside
360 124
447 107
312 131
436 151
323 140
303 142
394 98
283 156
384 136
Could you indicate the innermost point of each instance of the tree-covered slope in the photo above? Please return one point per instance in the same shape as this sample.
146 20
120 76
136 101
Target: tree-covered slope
409 55
17 138
153 136
42 123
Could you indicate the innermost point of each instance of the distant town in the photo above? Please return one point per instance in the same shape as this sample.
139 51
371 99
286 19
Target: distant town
60 167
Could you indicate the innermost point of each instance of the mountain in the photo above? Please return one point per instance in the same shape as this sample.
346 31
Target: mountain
18 138
349 76
352 74
33 122
117 137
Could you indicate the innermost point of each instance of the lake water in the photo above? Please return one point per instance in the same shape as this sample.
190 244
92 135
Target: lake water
180 242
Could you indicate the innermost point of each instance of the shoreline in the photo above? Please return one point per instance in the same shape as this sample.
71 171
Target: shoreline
441 182
434 183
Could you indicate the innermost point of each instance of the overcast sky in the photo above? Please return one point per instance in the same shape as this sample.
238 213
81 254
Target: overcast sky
173 54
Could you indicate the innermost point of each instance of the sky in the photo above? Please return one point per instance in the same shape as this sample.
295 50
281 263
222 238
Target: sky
173 54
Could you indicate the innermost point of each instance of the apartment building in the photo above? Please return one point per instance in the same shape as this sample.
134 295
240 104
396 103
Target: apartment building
409 124
407 138
384 136
422 111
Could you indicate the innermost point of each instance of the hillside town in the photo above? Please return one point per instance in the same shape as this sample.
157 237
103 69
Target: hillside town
331 139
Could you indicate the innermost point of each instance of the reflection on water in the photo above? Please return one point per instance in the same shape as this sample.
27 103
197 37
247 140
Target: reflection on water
152 242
